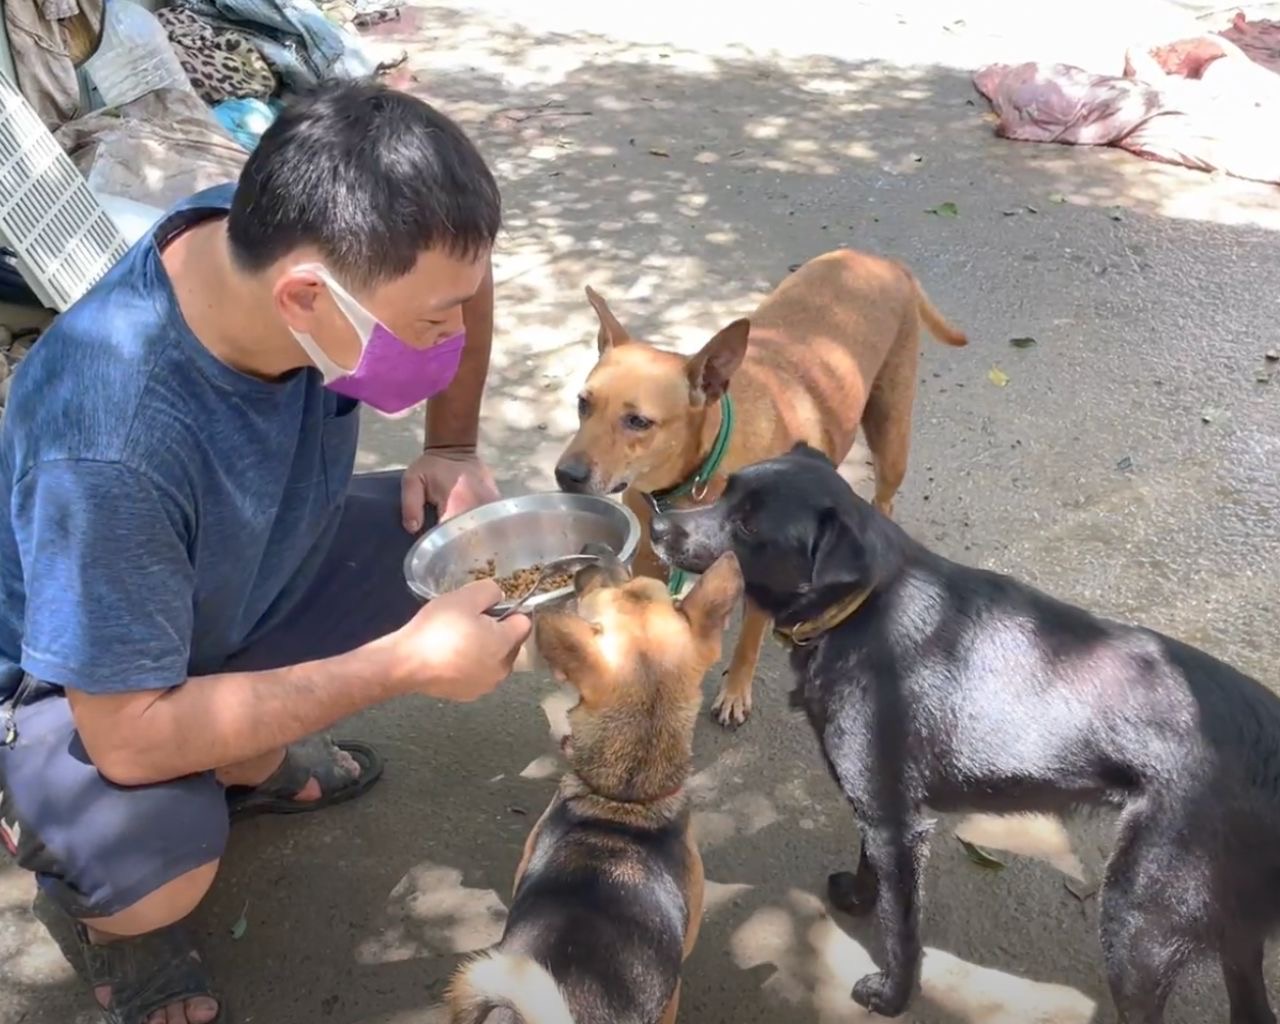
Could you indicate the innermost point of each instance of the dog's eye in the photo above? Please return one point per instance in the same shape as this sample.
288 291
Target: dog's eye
584 406
744 529
634 421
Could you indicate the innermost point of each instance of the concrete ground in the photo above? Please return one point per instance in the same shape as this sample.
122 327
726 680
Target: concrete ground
680 157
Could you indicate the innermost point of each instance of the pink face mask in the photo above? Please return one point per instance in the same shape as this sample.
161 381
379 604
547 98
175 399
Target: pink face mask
391 376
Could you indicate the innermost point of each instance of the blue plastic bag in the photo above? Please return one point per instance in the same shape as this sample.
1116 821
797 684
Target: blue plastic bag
247 119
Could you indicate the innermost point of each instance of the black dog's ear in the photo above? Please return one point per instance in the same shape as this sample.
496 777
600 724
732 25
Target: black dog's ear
806 451
839 559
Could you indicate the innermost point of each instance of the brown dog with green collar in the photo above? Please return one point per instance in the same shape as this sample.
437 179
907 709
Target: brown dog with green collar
834 347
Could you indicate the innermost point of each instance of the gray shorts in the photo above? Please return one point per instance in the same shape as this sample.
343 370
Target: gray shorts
98 848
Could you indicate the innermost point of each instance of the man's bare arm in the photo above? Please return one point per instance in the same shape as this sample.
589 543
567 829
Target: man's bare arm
451 649
453 419
209 722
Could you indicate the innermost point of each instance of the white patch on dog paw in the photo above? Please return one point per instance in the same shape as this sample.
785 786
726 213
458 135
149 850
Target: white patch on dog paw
731 711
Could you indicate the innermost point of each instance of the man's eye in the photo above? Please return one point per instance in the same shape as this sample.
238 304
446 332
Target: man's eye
634 421
584 406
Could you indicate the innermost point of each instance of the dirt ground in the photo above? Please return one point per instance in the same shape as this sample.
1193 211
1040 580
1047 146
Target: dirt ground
680 157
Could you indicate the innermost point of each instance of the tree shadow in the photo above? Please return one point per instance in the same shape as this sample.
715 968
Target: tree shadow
683 187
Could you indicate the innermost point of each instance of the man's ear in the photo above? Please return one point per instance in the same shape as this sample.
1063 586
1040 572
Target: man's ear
802 450
712 600
611 332
567 644
839 559
710 370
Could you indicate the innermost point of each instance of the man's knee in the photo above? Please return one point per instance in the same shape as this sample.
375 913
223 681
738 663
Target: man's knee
97 848
162 907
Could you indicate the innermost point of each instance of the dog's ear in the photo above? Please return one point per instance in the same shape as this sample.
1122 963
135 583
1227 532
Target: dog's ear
611 331
712 600
710 370
802 450
839 559
567 643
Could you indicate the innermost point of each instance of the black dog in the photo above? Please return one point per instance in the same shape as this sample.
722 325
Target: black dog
931 684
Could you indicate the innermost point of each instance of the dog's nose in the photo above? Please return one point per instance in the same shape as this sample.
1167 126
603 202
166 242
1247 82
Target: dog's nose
572 474
659 529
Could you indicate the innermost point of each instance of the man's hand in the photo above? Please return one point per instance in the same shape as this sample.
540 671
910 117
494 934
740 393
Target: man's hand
454 480
451 649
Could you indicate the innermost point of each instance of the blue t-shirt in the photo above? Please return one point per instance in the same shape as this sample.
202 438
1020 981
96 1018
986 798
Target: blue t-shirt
157 507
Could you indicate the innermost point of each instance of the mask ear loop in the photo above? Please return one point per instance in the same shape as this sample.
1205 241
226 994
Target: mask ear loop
362 322
361 319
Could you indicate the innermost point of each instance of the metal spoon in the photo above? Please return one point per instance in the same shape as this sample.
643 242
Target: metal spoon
583 558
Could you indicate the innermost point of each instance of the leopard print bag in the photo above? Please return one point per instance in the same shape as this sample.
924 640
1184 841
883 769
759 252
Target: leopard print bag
221 63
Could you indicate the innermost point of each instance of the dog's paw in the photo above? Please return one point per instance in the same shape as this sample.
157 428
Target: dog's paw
879 994
731 709
851 893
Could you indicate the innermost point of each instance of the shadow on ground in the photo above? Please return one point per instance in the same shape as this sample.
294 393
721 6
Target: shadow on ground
1128 463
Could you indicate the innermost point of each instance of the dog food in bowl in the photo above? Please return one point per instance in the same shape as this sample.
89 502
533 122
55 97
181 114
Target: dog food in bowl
520 583
519 533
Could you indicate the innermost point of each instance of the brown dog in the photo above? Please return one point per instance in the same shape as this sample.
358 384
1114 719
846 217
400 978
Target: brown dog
835 346
608 894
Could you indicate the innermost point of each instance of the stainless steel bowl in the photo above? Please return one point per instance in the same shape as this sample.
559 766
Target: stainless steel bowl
516 533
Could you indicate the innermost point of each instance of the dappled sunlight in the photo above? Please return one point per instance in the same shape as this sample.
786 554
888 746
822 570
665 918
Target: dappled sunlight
1030 835
28 961
31 965
431 912
633 165
814 963
648 152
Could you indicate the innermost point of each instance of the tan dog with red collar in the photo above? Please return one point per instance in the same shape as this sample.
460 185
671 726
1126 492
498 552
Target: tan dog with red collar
834 347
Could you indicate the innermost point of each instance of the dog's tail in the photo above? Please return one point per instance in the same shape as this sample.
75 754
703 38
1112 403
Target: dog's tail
497 981
935 321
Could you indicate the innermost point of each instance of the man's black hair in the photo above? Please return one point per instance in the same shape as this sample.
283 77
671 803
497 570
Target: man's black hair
371 177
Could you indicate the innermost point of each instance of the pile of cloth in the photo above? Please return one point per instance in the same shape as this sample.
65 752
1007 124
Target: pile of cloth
231 63
1211 102
253 49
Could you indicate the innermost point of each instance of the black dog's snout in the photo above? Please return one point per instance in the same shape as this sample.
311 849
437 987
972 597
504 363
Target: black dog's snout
660 529
572 474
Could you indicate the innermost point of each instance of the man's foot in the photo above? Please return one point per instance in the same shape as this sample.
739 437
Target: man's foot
195 1010
156 978
314 773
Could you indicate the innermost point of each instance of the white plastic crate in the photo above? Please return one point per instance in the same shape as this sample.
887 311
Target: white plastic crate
64 239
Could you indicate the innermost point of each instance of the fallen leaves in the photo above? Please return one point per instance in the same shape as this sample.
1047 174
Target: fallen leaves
551 108
997 377
242 923
1016 210
656 151
1057 197
1022 342
1081 890
980 856
947 209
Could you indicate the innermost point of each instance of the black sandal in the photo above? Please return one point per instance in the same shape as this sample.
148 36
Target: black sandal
145 974
312 758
